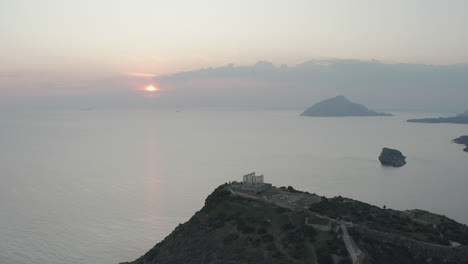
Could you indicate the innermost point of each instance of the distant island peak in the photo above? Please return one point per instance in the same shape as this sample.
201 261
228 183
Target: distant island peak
340 106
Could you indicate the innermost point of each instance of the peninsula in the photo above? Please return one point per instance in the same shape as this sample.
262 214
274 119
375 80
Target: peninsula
254 222
339 106
462 140
458 119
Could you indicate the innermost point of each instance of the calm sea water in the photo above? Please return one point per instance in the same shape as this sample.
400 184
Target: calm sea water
105 186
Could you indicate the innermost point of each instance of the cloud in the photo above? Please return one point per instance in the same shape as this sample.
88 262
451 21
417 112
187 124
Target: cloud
380 86
139 74
376 84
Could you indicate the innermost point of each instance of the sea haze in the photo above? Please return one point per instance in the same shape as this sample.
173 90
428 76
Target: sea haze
105 186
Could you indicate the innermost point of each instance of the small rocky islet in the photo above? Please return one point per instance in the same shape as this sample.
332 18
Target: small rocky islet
392 157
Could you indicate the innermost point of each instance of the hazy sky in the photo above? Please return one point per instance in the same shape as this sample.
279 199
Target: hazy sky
56 47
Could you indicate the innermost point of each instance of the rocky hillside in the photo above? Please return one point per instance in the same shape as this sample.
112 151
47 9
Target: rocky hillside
274 226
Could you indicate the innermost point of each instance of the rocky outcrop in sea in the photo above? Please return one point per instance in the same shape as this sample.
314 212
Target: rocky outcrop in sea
392 157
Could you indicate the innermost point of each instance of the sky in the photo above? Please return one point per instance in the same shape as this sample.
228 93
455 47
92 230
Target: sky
61 50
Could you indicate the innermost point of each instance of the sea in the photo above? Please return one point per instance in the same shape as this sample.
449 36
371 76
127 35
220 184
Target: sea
104 186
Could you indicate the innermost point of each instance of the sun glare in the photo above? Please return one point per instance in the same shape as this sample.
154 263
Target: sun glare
151 88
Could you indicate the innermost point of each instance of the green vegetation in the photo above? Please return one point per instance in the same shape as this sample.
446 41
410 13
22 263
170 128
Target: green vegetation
424 227
382 252
290 189
328 244
449 228
231 229
279 233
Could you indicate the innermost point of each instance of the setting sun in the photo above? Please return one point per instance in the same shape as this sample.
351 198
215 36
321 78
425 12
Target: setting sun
151 88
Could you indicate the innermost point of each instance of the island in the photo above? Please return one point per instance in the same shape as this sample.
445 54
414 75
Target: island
253 222
392 157
339 106
462 140
458 119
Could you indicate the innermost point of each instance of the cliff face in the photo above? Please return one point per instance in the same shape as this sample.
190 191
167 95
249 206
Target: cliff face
339 106
247 227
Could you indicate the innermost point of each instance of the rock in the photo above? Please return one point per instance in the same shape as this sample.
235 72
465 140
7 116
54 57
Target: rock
392 157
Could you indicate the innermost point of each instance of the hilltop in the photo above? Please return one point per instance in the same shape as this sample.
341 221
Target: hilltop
339 106
283 225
